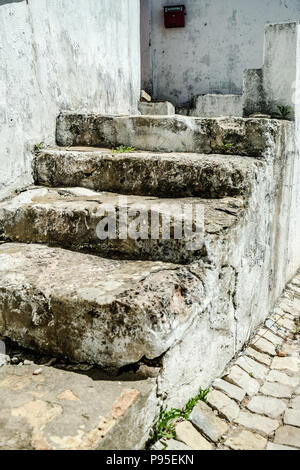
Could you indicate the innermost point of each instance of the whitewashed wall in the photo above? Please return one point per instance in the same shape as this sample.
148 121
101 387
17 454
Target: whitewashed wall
209 55
61 55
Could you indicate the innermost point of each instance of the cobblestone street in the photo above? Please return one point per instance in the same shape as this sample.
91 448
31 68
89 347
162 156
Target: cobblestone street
256 404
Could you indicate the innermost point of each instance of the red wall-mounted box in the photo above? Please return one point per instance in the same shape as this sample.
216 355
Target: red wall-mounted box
174 16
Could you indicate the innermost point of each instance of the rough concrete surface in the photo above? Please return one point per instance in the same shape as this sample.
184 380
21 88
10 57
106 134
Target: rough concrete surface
234 136
216 105
67 410
163 108
150 174
91 309
70 218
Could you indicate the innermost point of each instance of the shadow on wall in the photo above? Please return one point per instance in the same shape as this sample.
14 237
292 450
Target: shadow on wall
4 2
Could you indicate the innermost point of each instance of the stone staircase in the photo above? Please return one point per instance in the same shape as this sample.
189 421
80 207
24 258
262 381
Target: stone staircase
150 302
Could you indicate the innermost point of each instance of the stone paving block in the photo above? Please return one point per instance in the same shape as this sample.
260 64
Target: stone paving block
170 444
260 357
186 433
267 334
239 377
275 389
288 435
67 410
278 330
262 345
271 407
286 323
295 403
281 377
287 349
231 390
292 417
272 446
246 440
257 422
207 422
226 407
285 363
254 369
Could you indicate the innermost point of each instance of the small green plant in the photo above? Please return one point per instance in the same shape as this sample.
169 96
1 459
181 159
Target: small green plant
284 111
193 402
227 145
165 428
123 149
38 146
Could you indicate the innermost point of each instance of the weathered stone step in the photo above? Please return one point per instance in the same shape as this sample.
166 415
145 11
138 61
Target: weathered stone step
90 309
61 409
76 218
236 136
146 173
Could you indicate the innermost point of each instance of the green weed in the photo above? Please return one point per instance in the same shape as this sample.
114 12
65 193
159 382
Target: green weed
165 427
123 149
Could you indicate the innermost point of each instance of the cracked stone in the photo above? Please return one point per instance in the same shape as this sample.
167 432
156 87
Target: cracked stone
186 433
288 435
275 389
257 423
246 440
260 357
285 363
292 417
239 377
231 390
207 422
225 406
257 370
271 407
281 377
263 346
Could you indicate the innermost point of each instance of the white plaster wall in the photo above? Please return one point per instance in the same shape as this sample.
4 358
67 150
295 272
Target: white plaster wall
146 59
61 55
294 231
280 64
220 40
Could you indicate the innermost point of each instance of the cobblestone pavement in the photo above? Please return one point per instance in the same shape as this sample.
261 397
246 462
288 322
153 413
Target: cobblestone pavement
256 404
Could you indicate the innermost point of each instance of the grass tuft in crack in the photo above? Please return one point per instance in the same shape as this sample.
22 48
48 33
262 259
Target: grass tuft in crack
123 149
165 427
